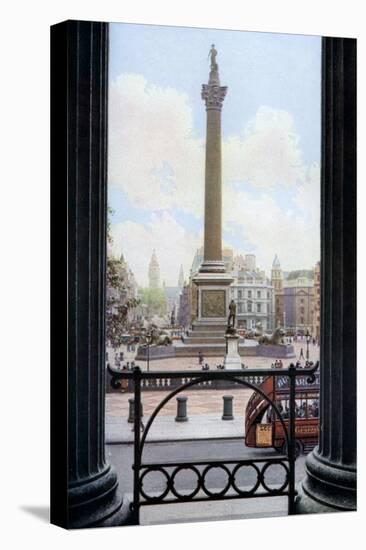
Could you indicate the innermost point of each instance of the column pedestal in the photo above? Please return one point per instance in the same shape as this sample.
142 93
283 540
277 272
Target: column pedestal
232 359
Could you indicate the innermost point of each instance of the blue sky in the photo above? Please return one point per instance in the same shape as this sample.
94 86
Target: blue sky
271 78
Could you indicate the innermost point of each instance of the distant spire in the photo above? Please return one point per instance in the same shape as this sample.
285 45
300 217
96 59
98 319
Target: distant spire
154 271
276 262
181 277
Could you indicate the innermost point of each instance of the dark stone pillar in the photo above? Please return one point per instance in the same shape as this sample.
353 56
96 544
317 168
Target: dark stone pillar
227 413
330 482
181 409
79 175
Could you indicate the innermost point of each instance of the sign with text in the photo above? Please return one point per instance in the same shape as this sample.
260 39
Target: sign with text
264 435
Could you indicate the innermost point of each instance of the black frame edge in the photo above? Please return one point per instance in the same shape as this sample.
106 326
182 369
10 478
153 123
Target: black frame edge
59 378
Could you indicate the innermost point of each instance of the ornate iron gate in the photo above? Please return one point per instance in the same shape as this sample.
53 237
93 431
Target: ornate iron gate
201 468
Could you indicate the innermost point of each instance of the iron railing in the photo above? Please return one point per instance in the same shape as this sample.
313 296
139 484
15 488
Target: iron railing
201 468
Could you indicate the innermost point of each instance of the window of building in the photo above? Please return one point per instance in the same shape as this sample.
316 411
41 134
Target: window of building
259 308
249 307
240 308
302 320
249 293
258 294
239 294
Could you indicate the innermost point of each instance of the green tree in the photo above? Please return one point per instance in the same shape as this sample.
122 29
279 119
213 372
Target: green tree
154 299
117 303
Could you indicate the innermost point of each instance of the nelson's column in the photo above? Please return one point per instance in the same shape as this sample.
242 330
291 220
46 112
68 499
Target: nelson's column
212 280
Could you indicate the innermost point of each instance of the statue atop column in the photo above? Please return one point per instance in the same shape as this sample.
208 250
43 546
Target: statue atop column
212 93
213 53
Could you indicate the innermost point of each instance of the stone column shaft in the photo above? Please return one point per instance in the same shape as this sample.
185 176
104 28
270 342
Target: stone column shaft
213 95
330 481
79 178
213 200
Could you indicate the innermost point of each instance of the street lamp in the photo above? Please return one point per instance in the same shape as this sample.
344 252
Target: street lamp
307 335
148 339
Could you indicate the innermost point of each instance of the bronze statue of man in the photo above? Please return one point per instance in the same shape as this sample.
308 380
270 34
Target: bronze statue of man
232 314
213 53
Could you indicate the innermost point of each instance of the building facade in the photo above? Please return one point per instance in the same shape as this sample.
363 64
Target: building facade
154 272
298 301
184 309
316 306
254 296
277 284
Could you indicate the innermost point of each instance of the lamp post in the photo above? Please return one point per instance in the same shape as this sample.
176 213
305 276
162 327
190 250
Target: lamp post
148 338
307 335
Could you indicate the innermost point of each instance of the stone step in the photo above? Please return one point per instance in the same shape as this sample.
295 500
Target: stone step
204 339
211 350
206 333
207 327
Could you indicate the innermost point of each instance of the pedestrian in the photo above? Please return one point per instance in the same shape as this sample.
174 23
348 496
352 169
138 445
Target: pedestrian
302 410
301 354
200 357
280 364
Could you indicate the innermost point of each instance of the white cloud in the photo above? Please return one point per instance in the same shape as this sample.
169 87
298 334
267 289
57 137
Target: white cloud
173 244
150 134
293 234
267 153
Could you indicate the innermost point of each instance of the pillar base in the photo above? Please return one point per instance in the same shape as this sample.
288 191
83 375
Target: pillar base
96 502
212 266
232 360
327 487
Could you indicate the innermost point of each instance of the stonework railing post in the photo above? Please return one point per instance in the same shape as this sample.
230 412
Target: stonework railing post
181 409
227 413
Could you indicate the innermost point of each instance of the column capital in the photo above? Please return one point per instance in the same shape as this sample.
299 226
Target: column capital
213 96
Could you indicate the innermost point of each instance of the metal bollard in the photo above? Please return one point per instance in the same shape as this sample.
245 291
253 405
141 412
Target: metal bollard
181 409
228 407
131 412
